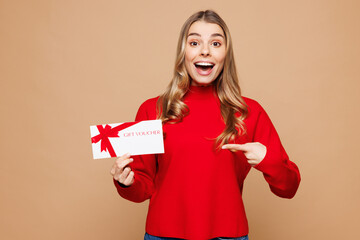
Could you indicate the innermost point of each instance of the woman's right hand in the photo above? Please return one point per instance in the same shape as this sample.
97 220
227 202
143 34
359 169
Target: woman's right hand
121 172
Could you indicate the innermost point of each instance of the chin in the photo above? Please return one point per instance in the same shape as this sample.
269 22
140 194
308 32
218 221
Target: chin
202 83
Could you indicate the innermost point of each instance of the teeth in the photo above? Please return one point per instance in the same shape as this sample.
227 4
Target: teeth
204 64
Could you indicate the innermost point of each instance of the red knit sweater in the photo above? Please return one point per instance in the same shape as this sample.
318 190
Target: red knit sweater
195 191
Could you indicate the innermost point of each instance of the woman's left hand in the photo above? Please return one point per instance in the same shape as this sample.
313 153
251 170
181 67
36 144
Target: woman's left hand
253 151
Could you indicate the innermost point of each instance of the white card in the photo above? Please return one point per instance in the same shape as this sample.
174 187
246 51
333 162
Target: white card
136 138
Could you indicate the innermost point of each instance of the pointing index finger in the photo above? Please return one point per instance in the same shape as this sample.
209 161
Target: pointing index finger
241 147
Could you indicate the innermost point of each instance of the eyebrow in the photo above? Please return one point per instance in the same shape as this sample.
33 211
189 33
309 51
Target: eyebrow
212 35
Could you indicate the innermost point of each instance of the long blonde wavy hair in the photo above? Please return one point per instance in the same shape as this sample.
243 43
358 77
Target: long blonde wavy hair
170 105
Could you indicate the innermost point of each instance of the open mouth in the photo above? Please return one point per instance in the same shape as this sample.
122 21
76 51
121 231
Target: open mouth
204 66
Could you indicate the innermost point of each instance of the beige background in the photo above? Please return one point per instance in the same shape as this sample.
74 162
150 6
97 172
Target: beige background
65 65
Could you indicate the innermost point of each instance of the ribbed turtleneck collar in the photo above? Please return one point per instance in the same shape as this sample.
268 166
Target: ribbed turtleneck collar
201 91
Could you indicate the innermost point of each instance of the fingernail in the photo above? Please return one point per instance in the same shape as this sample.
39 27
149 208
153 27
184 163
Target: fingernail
223 147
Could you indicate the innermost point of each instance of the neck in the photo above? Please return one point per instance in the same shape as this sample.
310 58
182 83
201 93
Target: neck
201 91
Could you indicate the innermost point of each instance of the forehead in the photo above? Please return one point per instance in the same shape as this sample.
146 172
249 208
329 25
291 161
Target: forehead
205 29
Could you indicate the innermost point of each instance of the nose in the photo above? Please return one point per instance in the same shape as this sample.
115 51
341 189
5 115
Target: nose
205 51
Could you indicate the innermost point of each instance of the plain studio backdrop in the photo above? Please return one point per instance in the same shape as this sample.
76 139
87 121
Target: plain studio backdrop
69 64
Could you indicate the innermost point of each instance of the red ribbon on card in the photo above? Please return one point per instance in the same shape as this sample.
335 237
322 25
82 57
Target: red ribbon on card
107 132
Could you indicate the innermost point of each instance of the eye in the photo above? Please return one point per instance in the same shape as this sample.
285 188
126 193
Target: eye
193 43
216 44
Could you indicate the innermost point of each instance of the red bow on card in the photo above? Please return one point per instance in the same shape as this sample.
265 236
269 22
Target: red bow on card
107 132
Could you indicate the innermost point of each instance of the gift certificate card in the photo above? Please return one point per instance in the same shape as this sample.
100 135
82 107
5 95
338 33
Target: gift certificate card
136 138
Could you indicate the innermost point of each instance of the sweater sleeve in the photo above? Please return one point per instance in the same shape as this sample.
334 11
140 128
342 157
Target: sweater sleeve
144 168
281 174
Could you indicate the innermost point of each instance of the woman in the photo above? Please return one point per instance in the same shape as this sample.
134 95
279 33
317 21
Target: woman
212 138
